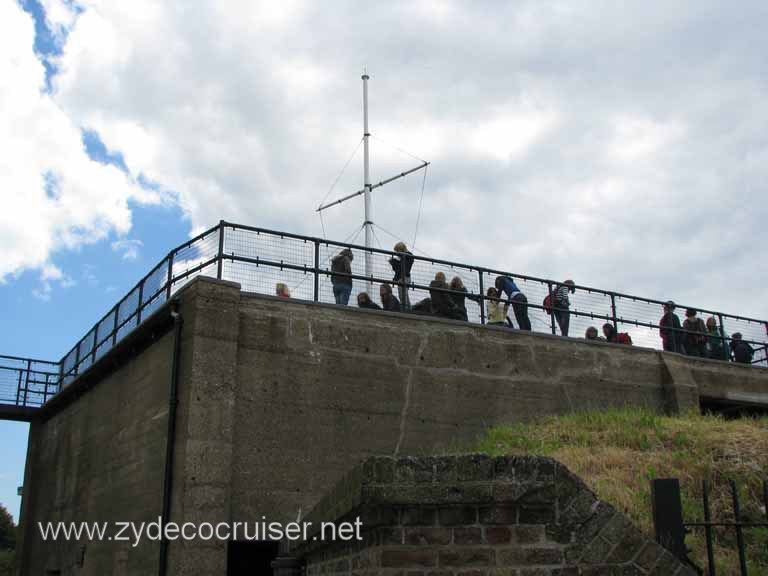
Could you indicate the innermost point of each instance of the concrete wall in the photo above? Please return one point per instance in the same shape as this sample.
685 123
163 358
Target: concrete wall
278 399
99 459
471 514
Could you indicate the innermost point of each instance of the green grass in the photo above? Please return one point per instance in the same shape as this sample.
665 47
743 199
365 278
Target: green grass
618 452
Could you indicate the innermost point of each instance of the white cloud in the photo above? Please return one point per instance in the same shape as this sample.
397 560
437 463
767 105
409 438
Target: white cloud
631 136
54 197
129 248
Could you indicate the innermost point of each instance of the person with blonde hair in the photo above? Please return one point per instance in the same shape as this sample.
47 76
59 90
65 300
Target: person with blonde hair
282 291
401 265
497 309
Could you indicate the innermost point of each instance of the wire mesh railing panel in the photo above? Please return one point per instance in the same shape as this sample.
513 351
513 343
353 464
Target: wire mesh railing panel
10 384
262 279
86 350
155 283
188 259
246 243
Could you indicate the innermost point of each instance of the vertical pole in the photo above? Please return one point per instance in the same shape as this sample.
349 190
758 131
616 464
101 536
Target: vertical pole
95 342
317 271
169 279
26 381
613 313
726 346
114 325
367 224
220 267
739 532
482 296
18 388
141 299
708 529
551 308
668 515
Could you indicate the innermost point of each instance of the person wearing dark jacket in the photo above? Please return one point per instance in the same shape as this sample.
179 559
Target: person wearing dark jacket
694 335
442 303
670 329
342 285
459 296
364 301
388 300
742 351
402 264
717 345
518 300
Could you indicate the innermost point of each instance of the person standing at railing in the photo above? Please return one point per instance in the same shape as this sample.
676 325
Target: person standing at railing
742 351
670 329
388 300
505 284
401 265
563 304
497 310
695 334
342 282
717 345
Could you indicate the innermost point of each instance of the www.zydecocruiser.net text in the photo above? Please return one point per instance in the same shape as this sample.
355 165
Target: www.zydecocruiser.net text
135 532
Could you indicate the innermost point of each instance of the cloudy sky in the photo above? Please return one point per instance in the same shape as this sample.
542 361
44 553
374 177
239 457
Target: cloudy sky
622 144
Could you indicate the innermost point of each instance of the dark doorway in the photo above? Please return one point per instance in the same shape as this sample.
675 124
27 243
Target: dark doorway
250 557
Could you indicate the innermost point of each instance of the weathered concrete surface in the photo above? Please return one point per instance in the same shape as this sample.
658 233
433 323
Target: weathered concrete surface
100 459
472 514
278 399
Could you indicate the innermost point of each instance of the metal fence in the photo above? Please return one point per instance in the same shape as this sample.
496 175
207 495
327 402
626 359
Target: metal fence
259 259
671 528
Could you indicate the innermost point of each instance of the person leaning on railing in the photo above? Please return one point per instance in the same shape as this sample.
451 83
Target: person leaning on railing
459 296
695 334
342 284
388 300
562 305
742 351
505 284
364 301
402 263
441 301
497 310
717 345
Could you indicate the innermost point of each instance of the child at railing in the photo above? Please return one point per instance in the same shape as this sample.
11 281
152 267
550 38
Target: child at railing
497 310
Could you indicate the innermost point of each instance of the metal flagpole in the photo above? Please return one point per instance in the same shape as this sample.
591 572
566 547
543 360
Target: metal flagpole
368 224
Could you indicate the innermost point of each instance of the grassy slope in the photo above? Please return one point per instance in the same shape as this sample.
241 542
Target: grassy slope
617 453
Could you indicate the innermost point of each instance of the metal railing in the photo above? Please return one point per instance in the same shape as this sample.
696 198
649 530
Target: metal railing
671 528
259 259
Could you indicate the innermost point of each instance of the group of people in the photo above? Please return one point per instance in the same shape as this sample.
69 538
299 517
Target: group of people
694 337
446 299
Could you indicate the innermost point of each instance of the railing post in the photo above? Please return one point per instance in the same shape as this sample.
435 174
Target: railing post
114 325
77 357
18 388
317 271
169 279
95 342
141 298
726 353
482 296
221 250
613 314
739 531
551 308
708 529
668 516
26 381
